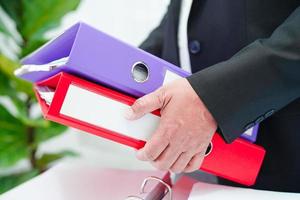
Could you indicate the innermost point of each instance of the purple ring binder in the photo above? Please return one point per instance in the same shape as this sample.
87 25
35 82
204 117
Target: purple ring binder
103 59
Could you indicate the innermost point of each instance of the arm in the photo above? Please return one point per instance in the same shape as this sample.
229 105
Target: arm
262 77
259 80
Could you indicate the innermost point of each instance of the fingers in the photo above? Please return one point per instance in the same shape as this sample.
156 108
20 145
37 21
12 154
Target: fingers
187 162
154 147
186 126
194 163
182 162
167 158
165 152
146 104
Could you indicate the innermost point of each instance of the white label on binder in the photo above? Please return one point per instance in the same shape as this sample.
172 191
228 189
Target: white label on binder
170 76
104 112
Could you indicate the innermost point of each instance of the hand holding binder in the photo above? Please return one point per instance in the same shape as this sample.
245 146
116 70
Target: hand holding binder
100 111
186 127
89 53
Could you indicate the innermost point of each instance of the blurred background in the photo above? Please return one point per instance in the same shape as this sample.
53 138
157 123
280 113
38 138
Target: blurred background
30 145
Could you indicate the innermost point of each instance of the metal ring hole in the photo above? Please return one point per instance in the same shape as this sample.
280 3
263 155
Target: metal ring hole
209 149
140 72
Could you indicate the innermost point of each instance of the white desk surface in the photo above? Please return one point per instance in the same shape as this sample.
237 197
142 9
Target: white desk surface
205 191
65 182
69 182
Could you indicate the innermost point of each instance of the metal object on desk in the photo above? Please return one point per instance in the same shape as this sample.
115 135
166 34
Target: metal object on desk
167 190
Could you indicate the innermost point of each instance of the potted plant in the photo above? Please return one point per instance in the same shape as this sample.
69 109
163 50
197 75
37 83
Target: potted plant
23 24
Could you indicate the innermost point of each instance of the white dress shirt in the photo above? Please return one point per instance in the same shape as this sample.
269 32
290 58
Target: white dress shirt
182 37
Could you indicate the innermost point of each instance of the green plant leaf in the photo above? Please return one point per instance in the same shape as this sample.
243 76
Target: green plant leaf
36 123
36 22
6 87
50 130
20 105
7 67
33 18
32 45
8 90
49 158
12 85
13 8
13 140
3 28
10 181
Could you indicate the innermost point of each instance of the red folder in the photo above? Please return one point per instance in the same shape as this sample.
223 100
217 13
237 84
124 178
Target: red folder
239 161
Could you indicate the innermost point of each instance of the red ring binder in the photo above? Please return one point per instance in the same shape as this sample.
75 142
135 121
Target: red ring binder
239 161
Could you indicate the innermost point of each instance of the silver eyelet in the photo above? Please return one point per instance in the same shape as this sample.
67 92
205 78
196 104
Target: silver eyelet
209 149
140 72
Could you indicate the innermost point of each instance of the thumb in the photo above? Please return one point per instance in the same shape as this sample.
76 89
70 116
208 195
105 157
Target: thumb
145 104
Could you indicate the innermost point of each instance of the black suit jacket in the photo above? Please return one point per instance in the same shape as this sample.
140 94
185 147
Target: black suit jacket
245 55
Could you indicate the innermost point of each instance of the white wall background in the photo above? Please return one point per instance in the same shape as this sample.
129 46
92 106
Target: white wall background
131 21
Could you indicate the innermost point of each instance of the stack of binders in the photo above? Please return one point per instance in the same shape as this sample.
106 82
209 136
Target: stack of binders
87 79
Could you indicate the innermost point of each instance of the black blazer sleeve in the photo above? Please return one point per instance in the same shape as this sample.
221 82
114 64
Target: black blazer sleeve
154 42
260 79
